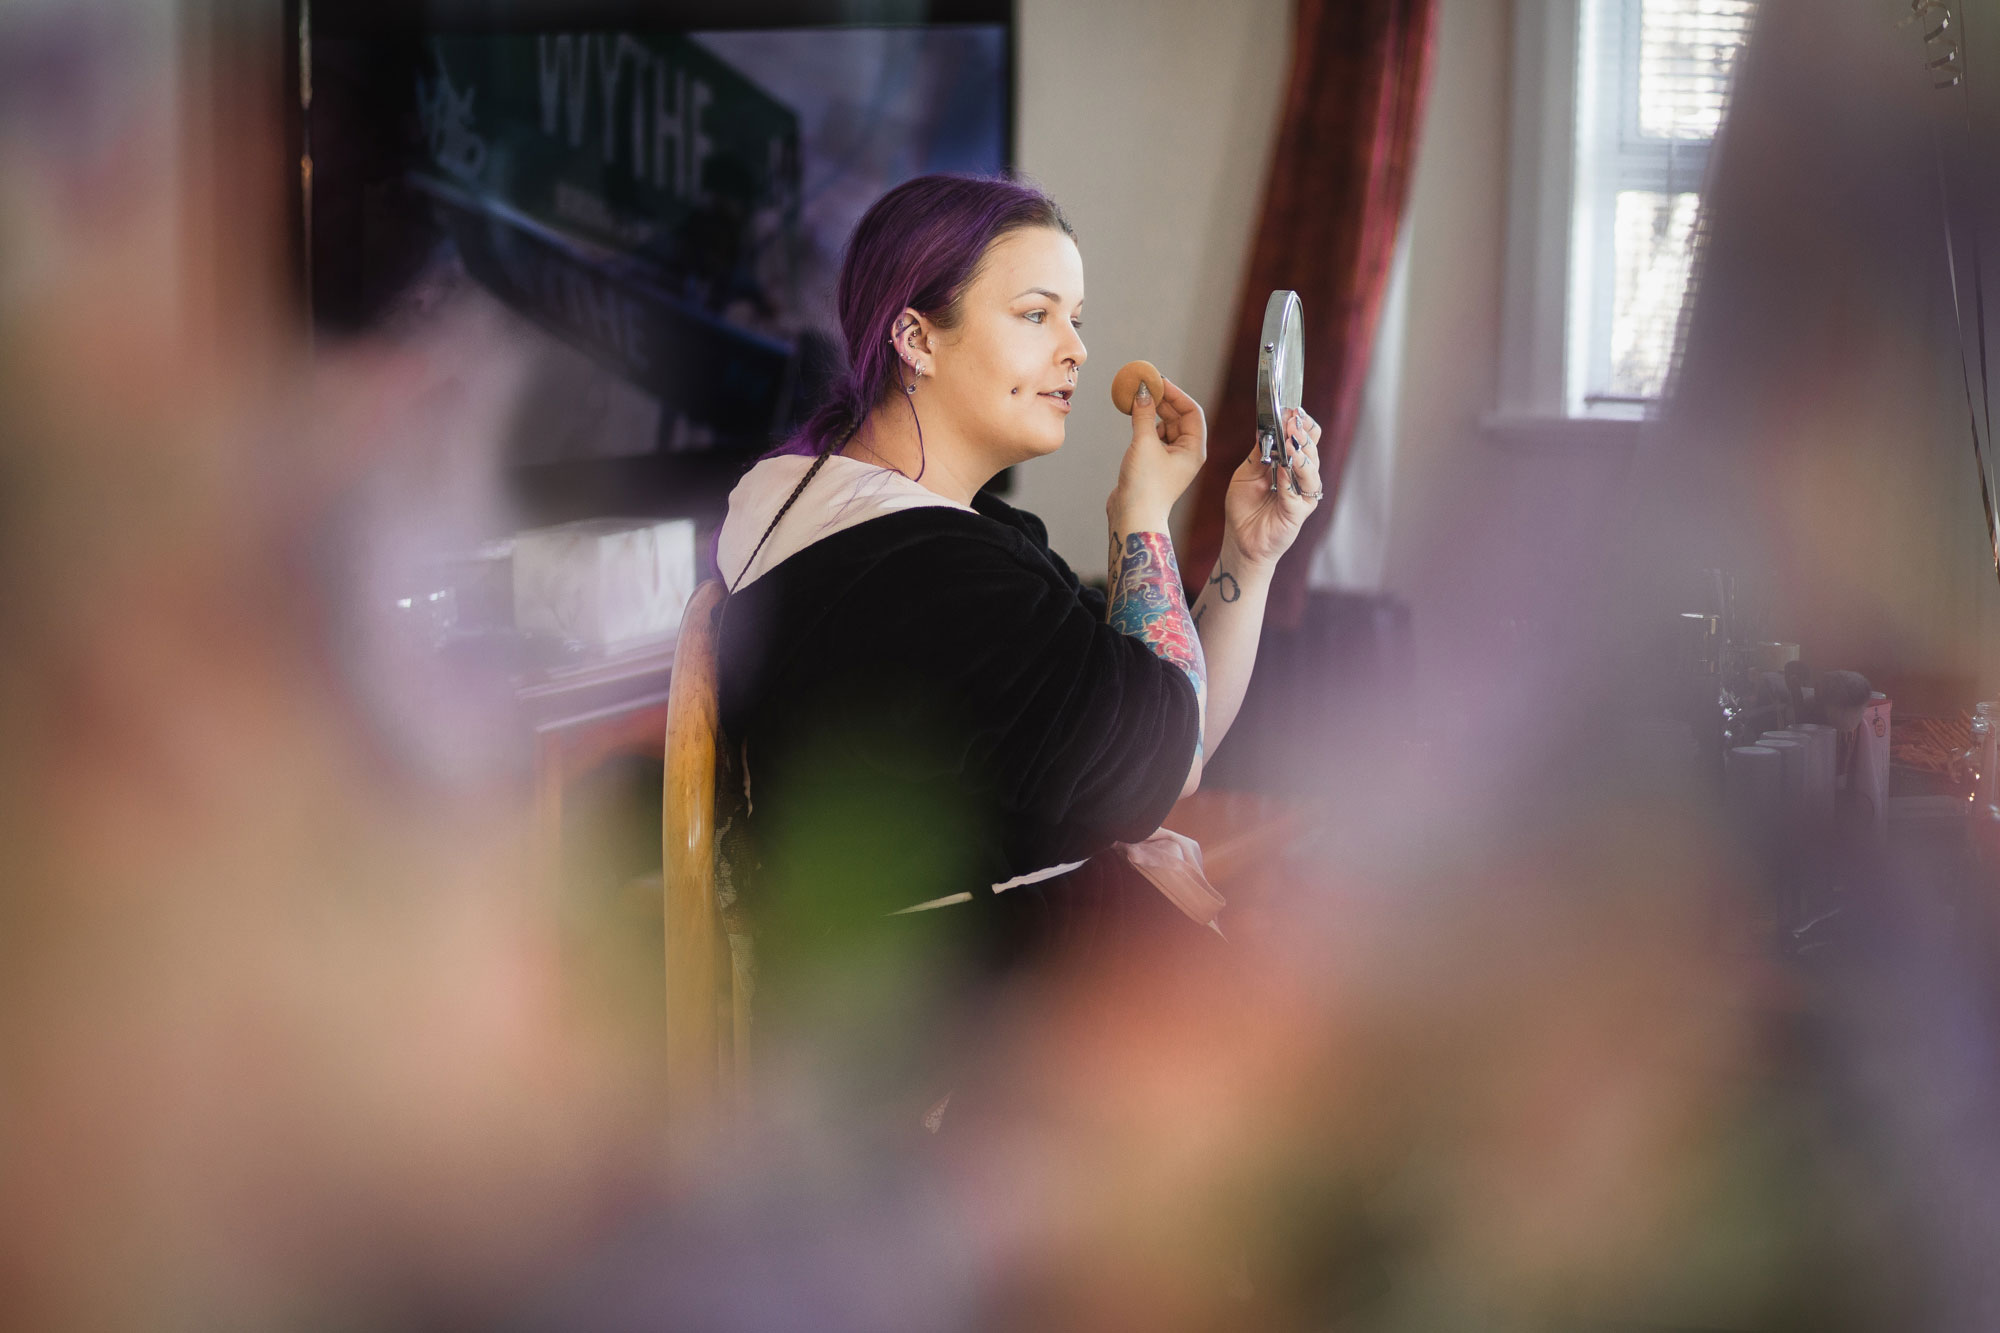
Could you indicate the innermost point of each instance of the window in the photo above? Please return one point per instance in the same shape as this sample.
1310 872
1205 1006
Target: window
1618 103
1653 81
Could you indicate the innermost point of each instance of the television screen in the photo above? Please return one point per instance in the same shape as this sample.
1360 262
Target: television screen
660 212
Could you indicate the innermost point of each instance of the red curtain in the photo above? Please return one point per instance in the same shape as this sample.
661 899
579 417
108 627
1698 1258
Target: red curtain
1333 208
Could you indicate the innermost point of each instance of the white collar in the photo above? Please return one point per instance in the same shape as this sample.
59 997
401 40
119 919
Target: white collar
847 492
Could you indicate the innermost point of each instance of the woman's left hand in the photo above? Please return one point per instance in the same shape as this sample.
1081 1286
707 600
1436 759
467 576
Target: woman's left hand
1263 523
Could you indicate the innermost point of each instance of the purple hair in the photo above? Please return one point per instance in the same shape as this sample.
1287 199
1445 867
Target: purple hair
918 247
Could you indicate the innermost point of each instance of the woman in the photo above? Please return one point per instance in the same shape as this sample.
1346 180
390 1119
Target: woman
943 733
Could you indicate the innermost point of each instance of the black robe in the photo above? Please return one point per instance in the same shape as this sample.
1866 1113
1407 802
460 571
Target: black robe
929 703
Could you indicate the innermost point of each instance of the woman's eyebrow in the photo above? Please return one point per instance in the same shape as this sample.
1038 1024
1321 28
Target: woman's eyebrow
1042 291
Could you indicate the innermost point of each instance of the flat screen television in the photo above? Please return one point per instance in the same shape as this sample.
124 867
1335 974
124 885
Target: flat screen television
654 198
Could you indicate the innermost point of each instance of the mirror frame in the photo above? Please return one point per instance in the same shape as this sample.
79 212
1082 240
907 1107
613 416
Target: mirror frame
1280 370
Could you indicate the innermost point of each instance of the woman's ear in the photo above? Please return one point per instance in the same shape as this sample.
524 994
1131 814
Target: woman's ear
912 338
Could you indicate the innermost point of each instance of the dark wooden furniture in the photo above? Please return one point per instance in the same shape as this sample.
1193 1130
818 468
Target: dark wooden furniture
658 702
580 715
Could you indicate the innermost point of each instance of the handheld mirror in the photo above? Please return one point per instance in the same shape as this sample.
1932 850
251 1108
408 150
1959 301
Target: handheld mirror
1280 372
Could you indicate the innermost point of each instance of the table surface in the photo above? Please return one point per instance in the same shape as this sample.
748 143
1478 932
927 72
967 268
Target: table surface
595 685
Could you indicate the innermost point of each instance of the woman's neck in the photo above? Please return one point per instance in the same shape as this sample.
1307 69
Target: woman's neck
940 460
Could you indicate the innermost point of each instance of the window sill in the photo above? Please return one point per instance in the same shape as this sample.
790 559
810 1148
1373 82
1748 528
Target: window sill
1517 431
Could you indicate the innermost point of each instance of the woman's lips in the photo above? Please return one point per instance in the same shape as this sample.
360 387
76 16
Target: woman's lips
1059 400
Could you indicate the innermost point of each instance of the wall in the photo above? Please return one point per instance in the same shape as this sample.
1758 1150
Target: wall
1159 156
1150 122
1819 445
1813 450
1449 471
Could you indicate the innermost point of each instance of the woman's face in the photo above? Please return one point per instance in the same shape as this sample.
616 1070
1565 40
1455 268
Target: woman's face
1004 376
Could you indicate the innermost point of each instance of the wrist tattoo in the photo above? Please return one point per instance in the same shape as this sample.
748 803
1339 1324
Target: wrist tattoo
1222 578
1147 603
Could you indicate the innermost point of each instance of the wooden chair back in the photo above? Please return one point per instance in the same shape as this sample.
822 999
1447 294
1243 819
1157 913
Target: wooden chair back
706 979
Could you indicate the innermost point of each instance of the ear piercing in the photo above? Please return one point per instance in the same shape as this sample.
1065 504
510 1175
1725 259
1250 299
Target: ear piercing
915 369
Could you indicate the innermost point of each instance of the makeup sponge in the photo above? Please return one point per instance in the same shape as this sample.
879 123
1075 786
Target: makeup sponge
1125 384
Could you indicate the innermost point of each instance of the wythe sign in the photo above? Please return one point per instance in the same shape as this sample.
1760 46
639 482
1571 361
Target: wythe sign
619 136
624 191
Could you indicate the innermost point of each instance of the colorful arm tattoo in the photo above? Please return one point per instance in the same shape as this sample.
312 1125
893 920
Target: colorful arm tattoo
1147 603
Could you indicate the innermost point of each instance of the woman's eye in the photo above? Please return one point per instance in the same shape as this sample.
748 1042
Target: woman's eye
1076 324
1038 316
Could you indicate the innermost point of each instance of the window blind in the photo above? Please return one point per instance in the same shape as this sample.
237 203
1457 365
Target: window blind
1687 49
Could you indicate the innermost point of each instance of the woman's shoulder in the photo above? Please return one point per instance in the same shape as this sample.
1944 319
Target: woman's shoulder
841 510
920 586
904 566
1010 516
922 545
1030 528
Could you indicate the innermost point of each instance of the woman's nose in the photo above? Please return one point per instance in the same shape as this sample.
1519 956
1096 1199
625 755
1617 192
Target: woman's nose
1076 353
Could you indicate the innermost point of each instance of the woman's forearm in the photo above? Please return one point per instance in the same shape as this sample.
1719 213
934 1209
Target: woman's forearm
1229 617
1146 602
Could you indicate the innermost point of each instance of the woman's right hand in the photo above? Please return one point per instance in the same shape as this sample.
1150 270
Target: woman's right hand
1169 441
